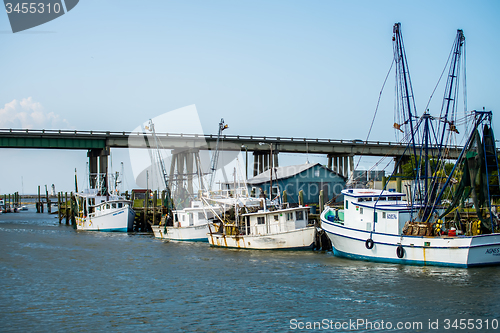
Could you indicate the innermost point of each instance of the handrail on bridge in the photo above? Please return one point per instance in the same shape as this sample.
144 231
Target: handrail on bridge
202 136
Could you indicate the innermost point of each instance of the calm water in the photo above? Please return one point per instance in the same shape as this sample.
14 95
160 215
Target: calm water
53 278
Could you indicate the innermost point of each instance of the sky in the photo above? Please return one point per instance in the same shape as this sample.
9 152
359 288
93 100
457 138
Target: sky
289 68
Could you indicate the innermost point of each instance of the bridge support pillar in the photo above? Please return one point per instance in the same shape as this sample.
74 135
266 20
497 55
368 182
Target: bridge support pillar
341 164
98 168
351 166
263 161
255 164
346 166
182 173
398 169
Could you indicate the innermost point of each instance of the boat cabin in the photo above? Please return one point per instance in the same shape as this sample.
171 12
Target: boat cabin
107 207
196 214
375 210
274 221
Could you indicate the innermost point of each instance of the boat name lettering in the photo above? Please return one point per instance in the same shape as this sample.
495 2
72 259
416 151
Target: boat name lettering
392 216
494 251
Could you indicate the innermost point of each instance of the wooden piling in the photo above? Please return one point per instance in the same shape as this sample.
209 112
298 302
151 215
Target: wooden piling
66 211
155 196
301 198
48 200
38 201
162 203
72 209
321 201
59 207
146 201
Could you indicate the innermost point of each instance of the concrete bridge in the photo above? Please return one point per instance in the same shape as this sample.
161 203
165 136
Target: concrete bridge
265 149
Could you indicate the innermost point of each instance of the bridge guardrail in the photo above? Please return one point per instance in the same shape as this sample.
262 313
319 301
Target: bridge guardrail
267 139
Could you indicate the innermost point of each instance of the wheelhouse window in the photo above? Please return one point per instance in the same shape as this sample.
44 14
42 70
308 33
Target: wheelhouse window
276 217
383 215
201 216
299 215
361 210
113 205
120 204
261 220
275 191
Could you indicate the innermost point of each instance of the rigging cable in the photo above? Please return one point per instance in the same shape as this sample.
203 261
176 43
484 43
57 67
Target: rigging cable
374 115
439 80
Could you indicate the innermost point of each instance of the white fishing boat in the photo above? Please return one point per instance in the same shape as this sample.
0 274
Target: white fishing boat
285 228
103 213
448 216
188 224
370 227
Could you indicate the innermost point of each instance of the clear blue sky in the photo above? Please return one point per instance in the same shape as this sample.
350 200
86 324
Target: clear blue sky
275 68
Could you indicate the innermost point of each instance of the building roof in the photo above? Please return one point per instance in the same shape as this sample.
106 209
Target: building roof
283 173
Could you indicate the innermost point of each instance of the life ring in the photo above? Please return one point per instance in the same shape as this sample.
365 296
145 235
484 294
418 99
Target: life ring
400 252
369 243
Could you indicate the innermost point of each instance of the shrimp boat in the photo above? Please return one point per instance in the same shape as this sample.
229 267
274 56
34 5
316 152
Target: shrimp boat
188 224
251 225
98 212
187 217
449 217
266 230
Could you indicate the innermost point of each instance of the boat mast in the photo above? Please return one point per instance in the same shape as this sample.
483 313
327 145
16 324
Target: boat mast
215 156
447 118
451 91
405 96
151 128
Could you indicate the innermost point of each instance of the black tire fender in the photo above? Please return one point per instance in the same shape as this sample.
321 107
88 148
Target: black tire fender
369 243
400 251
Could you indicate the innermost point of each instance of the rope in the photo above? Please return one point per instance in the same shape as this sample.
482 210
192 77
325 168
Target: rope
374 115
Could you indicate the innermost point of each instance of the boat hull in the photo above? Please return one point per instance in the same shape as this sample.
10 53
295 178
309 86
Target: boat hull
460 251
295 239
120 220
192 233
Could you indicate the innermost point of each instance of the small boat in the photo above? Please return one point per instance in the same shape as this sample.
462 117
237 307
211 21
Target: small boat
98 212
188 224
